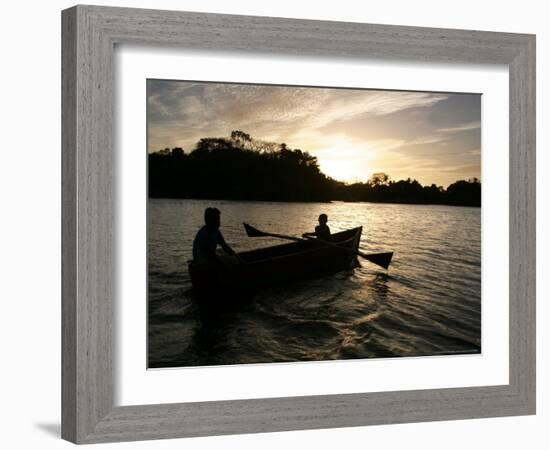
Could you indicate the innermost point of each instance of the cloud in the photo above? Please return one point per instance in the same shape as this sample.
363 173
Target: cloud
278 112
464 127
392 131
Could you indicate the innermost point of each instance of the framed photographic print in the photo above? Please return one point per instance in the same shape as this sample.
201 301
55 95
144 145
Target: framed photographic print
308 298
268 222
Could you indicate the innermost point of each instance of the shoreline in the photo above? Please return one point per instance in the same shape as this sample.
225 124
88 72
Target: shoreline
312 201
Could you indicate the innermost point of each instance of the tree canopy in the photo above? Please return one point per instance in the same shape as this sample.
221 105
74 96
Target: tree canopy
242 168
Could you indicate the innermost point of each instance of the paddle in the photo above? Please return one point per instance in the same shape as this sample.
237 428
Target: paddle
380 259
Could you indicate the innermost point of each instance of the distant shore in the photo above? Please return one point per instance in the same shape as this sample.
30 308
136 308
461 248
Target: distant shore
242 169
311 201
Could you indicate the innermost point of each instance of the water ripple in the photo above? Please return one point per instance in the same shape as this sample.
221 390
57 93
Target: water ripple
428 303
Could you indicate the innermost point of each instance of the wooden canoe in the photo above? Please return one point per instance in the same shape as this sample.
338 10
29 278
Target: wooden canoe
276 265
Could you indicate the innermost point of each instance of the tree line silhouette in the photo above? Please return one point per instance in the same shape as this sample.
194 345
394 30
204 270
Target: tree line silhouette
242 168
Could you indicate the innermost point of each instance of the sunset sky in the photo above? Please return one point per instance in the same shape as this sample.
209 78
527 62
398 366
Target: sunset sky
432 137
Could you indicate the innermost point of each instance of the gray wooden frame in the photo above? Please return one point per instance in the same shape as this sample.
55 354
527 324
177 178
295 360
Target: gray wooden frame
89 36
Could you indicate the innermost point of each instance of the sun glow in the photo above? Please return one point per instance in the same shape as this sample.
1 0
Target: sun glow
345 171
347 164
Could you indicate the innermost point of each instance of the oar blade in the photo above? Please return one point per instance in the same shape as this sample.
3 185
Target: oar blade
381 259
253 232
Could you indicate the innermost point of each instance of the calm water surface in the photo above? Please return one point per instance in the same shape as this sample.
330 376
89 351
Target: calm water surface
427 303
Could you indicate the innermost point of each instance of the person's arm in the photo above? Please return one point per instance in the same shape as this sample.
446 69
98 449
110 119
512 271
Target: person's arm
315 234
226 248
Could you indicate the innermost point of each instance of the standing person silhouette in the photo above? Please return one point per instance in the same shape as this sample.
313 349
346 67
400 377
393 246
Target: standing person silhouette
208 238
322 231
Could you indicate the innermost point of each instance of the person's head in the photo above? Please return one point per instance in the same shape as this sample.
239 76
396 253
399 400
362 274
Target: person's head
212 218
323 218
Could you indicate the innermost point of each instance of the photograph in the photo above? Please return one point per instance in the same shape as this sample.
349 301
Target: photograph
292 224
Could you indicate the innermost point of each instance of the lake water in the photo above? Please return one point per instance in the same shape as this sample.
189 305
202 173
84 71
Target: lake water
427 303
